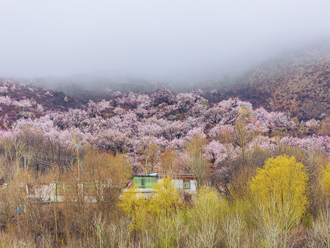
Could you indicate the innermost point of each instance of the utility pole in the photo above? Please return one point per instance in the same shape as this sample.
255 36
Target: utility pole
24 156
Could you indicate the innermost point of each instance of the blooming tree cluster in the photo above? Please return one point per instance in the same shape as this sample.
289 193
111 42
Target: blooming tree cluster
24 103
318 143
278 119
131 123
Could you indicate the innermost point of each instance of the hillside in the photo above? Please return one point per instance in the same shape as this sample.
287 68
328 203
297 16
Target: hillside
18 100
298 82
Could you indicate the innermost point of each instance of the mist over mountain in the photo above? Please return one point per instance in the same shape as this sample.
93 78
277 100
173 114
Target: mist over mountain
293 81
86 49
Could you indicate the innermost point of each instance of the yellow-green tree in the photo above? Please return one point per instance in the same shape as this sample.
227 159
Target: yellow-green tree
134 204
163 208
279 190
244 113
326 180
205 219
165 199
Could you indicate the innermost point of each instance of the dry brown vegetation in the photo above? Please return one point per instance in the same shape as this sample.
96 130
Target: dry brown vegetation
233 221
298 84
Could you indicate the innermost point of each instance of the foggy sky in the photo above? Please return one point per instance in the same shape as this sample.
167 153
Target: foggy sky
158 39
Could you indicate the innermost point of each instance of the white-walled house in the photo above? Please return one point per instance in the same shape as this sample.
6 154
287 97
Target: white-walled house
56 192
187 183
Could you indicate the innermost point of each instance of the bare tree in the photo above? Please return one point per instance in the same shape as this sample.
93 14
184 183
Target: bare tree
195 162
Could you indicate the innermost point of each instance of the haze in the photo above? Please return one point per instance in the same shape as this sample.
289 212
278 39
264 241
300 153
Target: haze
160 40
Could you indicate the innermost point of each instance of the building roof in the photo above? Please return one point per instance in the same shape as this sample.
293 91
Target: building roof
150 175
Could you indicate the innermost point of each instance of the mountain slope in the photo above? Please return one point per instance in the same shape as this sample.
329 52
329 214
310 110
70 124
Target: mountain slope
19 100
299 83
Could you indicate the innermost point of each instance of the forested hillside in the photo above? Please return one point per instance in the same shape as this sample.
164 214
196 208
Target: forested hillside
297 82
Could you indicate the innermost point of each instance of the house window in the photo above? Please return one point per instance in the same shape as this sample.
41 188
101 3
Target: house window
186 184
148 182
145 182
